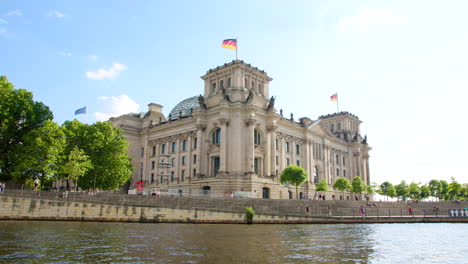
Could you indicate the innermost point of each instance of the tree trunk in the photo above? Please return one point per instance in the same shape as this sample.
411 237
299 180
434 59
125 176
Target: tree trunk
297 192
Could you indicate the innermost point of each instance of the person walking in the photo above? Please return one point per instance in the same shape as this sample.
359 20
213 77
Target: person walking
410 210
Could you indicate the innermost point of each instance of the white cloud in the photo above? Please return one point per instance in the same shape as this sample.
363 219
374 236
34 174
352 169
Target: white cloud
111 73
56 14
92 57
368 18
3 21
16 12
115 106
65 54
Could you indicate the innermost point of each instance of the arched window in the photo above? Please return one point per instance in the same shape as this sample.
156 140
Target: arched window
339 126
246 83
229 82
260 91
257 137
316 175
213 88
221 84
216 136
333 127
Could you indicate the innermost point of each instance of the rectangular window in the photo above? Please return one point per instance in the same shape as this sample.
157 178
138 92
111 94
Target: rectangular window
182 175
337 160
344 173
287 147
173 162
297 149
183 160
172 176
298 163
194 172
154 151
161 179
173 147
184 145
276 172
163 148
276 144
194 159
215 166
287 161
256 162
152 165
337 172
344 161
276 160
152 177
142 152
195 143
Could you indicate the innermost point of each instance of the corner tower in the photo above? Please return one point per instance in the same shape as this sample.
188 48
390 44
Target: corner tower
236 82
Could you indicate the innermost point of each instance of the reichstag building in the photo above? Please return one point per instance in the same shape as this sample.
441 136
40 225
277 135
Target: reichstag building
232 142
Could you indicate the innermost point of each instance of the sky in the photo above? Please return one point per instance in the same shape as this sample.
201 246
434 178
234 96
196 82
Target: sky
400 66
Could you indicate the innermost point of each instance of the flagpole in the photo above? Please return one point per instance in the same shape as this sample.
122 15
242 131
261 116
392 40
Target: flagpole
337 107
237 47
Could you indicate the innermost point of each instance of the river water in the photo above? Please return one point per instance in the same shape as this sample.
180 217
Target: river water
88 242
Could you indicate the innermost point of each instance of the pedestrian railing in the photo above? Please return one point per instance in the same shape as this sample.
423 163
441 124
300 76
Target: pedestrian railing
297 208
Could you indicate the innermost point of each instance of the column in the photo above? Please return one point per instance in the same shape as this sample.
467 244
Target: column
223 145
250 155
272 149
200 146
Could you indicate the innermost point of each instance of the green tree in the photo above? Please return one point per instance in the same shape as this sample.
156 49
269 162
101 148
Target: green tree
402 190
414 191
425 191
357 185
322 186
294 175
391 192
77 165
107 149
342 184
40 153
384 187
455 189
19 115
444 189
435 187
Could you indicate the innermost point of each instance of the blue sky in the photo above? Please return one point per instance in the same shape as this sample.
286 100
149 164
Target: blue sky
401 66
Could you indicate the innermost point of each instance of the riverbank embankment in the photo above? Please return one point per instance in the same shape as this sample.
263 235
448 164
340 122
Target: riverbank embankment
111 207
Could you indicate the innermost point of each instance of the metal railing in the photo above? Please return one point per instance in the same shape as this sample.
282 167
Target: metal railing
297 208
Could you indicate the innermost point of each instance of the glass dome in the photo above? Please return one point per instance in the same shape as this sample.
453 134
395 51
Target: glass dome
185 106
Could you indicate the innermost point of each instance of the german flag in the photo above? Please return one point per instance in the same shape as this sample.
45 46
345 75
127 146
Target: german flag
334 97
229 44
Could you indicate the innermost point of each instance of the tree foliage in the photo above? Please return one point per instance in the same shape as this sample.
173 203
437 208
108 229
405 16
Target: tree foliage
106 148
294 175
19 115
402 190
435 186
342 184
77 165
391 192
384 187
357 185
40 153
322 186
414 191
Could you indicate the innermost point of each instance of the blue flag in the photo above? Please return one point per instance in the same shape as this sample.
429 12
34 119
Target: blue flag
81 111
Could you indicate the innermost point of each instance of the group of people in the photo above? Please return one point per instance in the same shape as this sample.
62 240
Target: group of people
2 187
156 193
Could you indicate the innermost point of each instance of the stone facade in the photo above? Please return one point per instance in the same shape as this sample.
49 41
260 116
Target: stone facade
232 142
